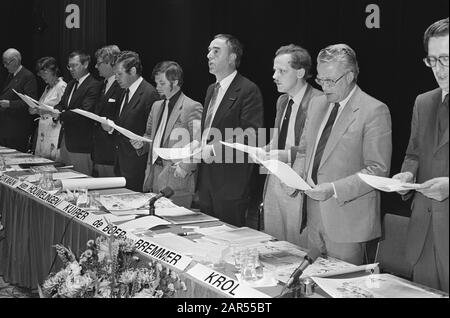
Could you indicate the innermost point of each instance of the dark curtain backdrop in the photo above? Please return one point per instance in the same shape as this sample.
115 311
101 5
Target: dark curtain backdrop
181 30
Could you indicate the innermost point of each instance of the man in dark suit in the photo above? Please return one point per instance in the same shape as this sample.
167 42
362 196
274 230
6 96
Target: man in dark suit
15 121
426 162
135 105
107 106
291 67
233 103
82 92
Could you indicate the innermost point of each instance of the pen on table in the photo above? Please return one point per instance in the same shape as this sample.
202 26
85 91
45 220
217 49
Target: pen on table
187 233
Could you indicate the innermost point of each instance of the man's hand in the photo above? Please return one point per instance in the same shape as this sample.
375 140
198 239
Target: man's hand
207 153
405 177
436 189
107 127
137 144
180 172
321 192
280 155
33 111
261 155
4 103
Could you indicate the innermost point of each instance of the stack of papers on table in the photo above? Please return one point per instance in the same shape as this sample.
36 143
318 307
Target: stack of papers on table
239 236
194 217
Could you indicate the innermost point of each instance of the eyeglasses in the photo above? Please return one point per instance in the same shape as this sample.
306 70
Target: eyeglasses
431 61
72 66
6 63
329 82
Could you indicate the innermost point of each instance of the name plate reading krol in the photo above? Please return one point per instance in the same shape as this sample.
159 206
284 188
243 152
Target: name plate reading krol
160 253
9 181
224 284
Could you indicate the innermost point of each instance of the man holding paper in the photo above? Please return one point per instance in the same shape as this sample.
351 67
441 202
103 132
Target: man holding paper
291 66
81 92
426 162
15 121
135 105
173 123
347 132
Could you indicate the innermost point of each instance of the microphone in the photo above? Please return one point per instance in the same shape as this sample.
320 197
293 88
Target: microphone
166 192
310 258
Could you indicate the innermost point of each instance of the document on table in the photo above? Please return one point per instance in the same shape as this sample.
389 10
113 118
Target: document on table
239 235
146 222
106 121
283 171
57 176
371 286
387 184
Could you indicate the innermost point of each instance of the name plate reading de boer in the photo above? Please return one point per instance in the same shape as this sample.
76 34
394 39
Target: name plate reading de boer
224 284
160 253
9 181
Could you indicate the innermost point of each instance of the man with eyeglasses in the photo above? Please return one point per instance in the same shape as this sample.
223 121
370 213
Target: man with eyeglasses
347 132
426 162
76 133
16 124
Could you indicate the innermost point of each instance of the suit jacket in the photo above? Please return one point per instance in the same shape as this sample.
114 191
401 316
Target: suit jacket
427 159
108 106
300 120
241 107
360 141
78 129
134 118
15 121
180 130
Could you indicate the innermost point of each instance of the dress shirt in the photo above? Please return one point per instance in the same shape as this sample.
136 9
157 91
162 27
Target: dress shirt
81 80
109 82
133 87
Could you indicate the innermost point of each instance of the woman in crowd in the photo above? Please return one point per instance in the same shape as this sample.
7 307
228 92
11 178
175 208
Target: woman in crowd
48 130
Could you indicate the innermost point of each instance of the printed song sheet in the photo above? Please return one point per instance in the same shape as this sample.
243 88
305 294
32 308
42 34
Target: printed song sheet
387 184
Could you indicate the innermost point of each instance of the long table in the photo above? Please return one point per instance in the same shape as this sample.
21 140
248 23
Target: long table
33 227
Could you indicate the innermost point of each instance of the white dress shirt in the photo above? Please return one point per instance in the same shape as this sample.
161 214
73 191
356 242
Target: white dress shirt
109 82
81 80
133 87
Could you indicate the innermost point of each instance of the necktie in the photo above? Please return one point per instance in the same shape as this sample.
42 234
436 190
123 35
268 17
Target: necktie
73 92
284 126
323 141
159 133
210 112
125 100
104 87
443 119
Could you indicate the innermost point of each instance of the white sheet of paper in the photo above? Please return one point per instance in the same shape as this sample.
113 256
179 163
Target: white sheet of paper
31 102
175 211
387 184
118 218
101 120
145 222
57 176
127 133
283 171
371 286
176 153
93 183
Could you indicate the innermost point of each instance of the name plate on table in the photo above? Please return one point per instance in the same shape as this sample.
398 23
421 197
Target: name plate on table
160 253
223 283
42 195
9 181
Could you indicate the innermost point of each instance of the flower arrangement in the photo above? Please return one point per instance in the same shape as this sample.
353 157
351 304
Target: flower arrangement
110 268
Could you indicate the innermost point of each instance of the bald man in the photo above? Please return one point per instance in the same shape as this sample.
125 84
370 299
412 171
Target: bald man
15 121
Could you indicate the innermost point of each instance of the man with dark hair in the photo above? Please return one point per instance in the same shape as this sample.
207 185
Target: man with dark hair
107 106
426 162
233 103
174 122
15 120
347 132
291 65
135 105
76 133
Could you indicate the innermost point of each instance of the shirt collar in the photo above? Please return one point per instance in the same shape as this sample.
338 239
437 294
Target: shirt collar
81 80
226 82
133 87
111 79
299 96
444 93
17 71
173 100
345 101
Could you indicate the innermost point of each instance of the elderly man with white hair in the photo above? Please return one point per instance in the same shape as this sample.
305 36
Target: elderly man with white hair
15 121
347 131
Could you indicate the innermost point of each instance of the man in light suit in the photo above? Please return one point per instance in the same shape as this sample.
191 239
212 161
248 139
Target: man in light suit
135 105
426 162
291 66
347 132
76 132
107 106
174 122
232 104
15 121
